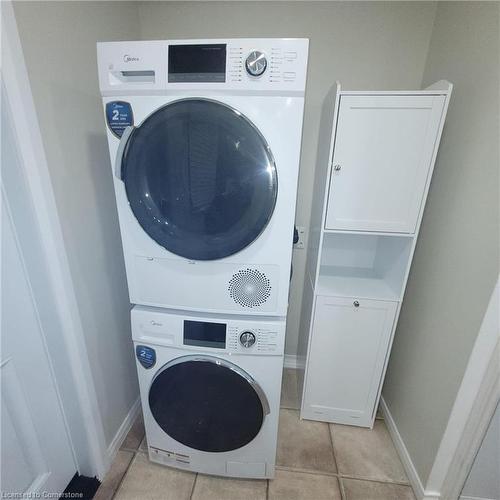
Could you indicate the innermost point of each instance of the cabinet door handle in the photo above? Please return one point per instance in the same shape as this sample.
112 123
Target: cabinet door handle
355 303
337 168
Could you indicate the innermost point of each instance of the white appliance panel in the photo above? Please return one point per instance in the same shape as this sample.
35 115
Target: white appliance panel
263 363
135 76
142 67
196 286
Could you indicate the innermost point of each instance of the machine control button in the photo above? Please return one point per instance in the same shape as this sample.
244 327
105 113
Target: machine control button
256 63
247 339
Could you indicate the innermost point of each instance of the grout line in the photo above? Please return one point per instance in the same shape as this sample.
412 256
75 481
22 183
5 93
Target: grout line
373 480
316 472
342 489
192 488
330 433
123 476
146 451
267 489
132 450
291 409
313 472
284 407
339 475
341 484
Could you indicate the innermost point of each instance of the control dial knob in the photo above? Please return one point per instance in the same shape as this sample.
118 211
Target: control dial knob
247 339
256 63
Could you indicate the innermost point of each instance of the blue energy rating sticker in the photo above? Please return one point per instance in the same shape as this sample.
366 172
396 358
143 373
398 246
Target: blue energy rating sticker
146 356
119 116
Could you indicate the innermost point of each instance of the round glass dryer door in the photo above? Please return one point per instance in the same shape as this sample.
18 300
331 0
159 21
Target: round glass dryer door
200 179
207 403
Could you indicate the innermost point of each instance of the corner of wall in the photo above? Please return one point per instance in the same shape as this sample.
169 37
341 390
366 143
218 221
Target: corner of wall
429 41
404 455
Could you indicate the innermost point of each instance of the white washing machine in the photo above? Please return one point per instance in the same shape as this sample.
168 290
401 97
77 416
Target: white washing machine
210 390
204 138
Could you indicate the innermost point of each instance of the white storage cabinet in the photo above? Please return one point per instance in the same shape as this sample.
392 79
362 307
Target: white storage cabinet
375 160
382 157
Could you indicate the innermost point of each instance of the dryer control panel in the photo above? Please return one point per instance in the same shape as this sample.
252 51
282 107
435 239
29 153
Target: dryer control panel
209 332
262 65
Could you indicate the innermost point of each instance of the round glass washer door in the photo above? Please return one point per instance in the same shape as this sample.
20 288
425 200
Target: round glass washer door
207 403
200 179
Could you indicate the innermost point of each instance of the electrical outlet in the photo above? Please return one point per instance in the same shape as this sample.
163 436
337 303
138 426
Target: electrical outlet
302 237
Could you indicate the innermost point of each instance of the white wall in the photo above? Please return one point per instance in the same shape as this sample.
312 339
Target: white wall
59 44
456 261
374 45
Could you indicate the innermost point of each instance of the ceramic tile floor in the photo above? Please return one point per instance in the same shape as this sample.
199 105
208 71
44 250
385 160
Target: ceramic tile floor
315 461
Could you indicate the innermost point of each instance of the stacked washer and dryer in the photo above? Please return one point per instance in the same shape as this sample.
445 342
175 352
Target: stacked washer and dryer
204 139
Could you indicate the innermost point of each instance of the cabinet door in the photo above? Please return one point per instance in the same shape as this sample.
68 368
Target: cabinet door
349 343
382 156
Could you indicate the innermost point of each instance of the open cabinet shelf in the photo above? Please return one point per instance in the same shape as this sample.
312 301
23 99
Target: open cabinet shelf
363 266
353 282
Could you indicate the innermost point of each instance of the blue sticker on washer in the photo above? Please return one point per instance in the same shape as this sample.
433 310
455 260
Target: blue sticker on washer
119 116
146 356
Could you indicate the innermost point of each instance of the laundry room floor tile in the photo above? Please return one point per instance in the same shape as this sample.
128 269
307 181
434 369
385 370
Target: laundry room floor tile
143 447
135 435
114 476
363 490
288 485
220 488
145 479
365 453
304 444
289 389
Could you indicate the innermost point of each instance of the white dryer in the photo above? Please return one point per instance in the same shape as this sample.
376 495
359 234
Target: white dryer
210 390
204 138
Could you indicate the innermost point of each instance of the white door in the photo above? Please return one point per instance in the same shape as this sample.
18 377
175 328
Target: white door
36 454
350 339
382 156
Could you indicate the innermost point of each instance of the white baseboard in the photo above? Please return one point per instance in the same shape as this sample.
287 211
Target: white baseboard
410 469
292 361
465 497
123 430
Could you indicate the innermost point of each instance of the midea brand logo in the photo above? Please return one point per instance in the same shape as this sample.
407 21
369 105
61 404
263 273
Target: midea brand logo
127 58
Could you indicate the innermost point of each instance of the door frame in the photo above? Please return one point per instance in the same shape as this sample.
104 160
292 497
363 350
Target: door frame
77 394
472 411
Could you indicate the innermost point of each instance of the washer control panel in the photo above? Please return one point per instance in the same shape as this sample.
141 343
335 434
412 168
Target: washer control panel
276 64
212 333
260 340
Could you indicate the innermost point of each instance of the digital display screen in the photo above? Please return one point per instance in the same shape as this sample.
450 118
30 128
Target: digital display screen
197 63
202 334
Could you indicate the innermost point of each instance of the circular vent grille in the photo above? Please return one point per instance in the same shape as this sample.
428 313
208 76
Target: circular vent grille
249 287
